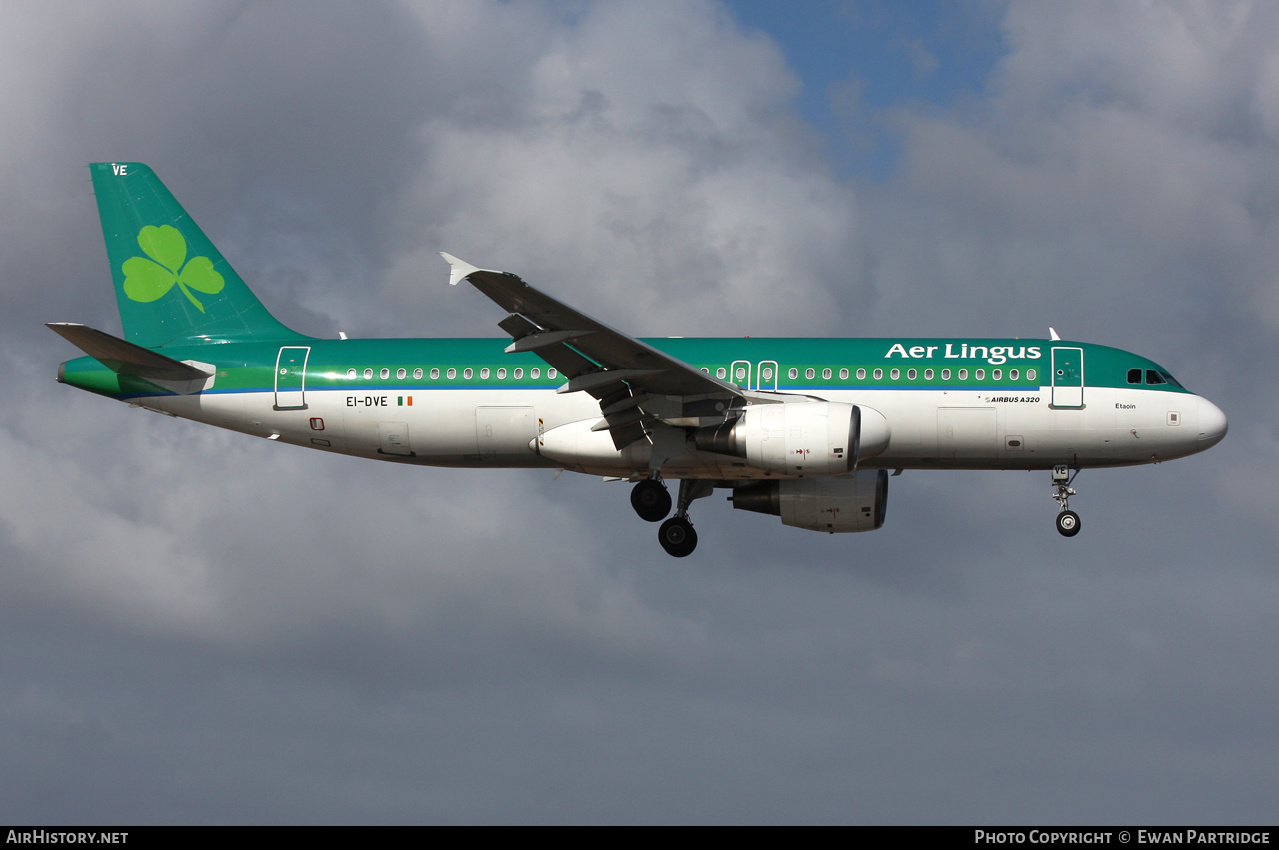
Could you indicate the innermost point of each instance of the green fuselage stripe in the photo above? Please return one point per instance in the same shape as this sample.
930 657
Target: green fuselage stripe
920 364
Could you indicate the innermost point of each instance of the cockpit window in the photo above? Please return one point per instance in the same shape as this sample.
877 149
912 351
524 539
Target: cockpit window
1170 379
1153 377
1134 376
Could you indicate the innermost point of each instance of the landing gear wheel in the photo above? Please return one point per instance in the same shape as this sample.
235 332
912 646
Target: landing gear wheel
1068 523
651 500
677 537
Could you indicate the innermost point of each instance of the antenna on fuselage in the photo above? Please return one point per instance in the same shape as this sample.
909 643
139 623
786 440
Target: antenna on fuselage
1052 334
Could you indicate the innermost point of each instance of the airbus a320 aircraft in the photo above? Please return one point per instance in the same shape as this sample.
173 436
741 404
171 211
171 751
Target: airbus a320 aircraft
804 429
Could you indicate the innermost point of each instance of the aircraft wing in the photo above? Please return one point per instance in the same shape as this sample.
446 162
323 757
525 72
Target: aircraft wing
633 380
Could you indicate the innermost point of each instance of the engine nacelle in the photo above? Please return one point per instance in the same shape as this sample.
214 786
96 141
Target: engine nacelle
801 438
848 503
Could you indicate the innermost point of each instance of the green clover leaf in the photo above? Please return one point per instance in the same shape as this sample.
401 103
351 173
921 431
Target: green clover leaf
145 280
149 279
163 244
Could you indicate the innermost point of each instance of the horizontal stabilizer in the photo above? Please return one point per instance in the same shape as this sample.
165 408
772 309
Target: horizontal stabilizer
125 358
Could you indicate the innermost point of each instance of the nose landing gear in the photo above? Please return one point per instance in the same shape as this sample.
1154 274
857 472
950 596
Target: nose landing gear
1067 520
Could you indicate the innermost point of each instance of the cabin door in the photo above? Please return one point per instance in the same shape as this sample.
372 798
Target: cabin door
290 378
1068 377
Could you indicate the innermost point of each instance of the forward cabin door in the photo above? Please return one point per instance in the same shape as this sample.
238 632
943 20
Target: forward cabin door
290 378
1068 377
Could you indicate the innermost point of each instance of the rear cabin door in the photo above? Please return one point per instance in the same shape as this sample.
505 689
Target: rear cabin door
1068 377
290 378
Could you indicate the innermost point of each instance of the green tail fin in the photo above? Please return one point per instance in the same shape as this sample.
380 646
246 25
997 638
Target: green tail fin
173 287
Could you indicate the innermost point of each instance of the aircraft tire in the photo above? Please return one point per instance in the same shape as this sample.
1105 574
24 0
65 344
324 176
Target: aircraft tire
677 537
1068 523
651 500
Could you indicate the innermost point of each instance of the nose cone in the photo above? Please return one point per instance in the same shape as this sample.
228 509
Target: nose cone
1212 424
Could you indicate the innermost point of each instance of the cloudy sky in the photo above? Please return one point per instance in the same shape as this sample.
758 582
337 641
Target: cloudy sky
196 626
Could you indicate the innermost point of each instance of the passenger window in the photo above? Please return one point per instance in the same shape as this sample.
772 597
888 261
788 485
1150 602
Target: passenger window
1153 377
911 374
1030 374
519 373
996 374
451 373
535 372
417 374
945 374
928 374
435 374
484 373
879 374
368 374
793 374
721 373
550 373
384 374
350 373
739 374
963 374
895 374
468 372
981 374
501 374
810 374
826 374
1012 374
843 374
401 373
706 371
767 373
861 374
1134 376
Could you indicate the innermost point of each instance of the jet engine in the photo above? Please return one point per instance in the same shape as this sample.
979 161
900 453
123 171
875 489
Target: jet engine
846 503
800 438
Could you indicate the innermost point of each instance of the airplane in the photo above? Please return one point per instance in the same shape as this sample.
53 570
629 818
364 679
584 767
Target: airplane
803 429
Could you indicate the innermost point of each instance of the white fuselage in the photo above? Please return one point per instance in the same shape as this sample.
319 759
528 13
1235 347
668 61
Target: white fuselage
931 429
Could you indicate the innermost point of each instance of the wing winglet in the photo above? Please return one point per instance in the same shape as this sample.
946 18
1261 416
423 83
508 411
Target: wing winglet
459 270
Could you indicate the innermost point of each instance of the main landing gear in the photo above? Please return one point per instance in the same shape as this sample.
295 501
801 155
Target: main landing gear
652 501
1067 520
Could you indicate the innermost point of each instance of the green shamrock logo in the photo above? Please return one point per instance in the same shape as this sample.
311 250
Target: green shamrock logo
147 280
